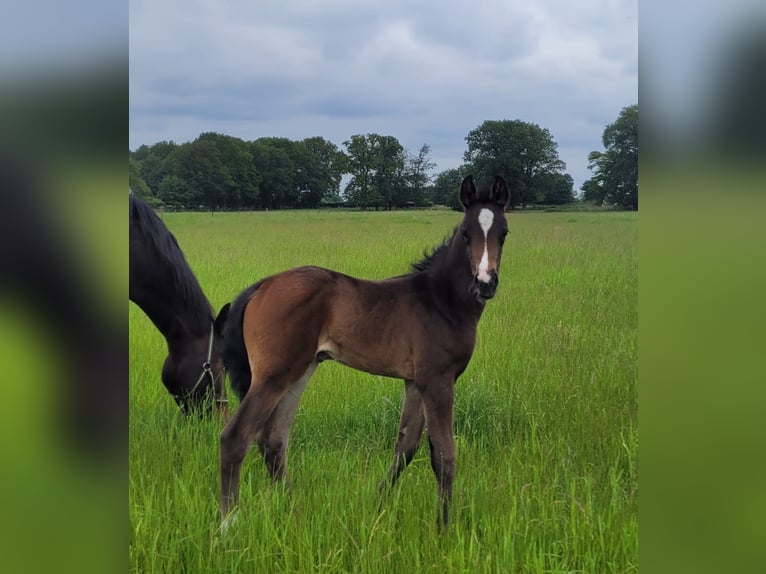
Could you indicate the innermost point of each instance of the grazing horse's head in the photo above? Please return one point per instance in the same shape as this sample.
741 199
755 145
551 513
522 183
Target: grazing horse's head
483 231
193 373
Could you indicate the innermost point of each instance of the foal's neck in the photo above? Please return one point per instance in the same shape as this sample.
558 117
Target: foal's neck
452 276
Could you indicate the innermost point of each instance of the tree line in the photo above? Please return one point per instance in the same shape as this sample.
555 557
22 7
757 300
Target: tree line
221 172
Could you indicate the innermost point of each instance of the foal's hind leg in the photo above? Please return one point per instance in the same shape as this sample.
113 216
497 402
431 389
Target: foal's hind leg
411 424
246 424
273 443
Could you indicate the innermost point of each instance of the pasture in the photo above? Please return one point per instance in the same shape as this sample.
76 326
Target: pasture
545 415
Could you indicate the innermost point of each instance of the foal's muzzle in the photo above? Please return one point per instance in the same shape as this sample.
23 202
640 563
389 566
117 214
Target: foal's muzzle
486 289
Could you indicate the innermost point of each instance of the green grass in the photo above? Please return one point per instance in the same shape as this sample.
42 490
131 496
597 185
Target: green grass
546 413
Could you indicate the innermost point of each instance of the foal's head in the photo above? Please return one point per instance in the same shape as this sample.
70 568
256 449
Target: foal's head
483 231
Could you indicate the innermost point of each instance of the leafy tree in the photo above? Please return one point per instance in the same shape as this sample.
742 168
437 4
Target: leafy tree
518 150
240 174
320 168
152 160
359 190
389 174
556 188
136 182
446 185
272 158
376 165
217 171
416 176
592 189
175 193
328 167
201 166
615 177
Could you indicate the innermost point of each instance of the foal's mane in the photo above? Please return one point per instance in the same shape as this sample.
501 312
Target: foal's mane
186 289
429 257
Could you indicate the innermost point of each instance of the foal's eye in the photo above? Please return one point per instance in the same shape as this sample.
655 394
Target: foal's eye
466 237
502 236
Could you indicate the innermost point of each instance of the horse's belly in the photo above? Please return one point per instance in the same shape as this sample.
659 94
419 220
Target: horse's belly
376 361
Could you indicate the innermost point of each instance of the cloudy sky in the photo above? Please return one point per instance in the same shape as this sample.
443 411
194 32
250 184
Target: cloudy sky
423 72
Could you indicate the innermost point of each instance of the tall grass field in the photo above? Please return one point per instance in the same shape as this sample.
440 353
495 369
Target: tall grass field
545 415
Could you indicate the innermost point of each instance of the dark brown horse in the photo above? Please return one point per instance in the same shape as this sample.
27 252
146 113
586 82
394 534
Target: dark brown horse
419 327
163 285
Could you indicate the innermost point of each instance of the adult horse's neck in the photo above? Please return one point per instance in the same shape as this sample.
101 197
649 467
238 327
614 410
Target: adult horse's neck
166 289
178 320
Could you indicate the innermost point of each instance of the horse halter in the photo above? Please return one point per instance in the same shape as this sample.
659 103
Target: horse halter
207 370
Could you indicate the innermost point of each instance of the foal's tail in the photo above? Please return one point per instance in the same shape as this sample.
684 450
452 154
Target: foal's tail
233 351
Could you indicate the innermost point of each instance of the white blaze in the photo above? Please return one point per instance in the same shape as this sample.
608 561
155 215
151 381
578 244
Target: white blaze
486 217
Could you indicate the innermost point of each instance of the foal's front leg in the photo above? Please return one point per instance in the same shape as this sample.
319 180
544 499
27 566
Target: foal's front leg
411 424
438 400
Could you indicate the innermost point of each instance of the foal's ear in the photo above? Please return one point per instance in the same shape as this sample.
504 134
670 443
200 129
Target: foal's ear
220 321
500 191
467 191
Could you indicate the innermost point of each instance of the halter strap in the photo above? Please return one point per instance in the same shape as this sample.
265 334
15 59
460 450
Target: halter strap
207 368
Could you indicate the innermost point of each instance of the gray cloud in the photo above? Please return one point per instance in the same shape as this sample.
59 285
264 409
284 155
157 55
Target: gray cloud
424 73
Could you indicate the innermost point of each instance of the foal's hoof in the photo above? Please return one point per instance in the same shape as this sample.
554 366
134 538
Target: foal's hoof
230 521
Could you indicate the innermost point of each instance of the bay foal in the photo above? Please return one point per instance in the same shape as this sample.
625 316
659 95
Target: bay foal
419 327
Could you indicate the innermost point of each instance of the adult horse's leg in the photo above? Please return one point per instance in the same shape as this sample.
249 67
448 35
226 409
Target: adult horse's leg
438 400
411 424
237 436
273 443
